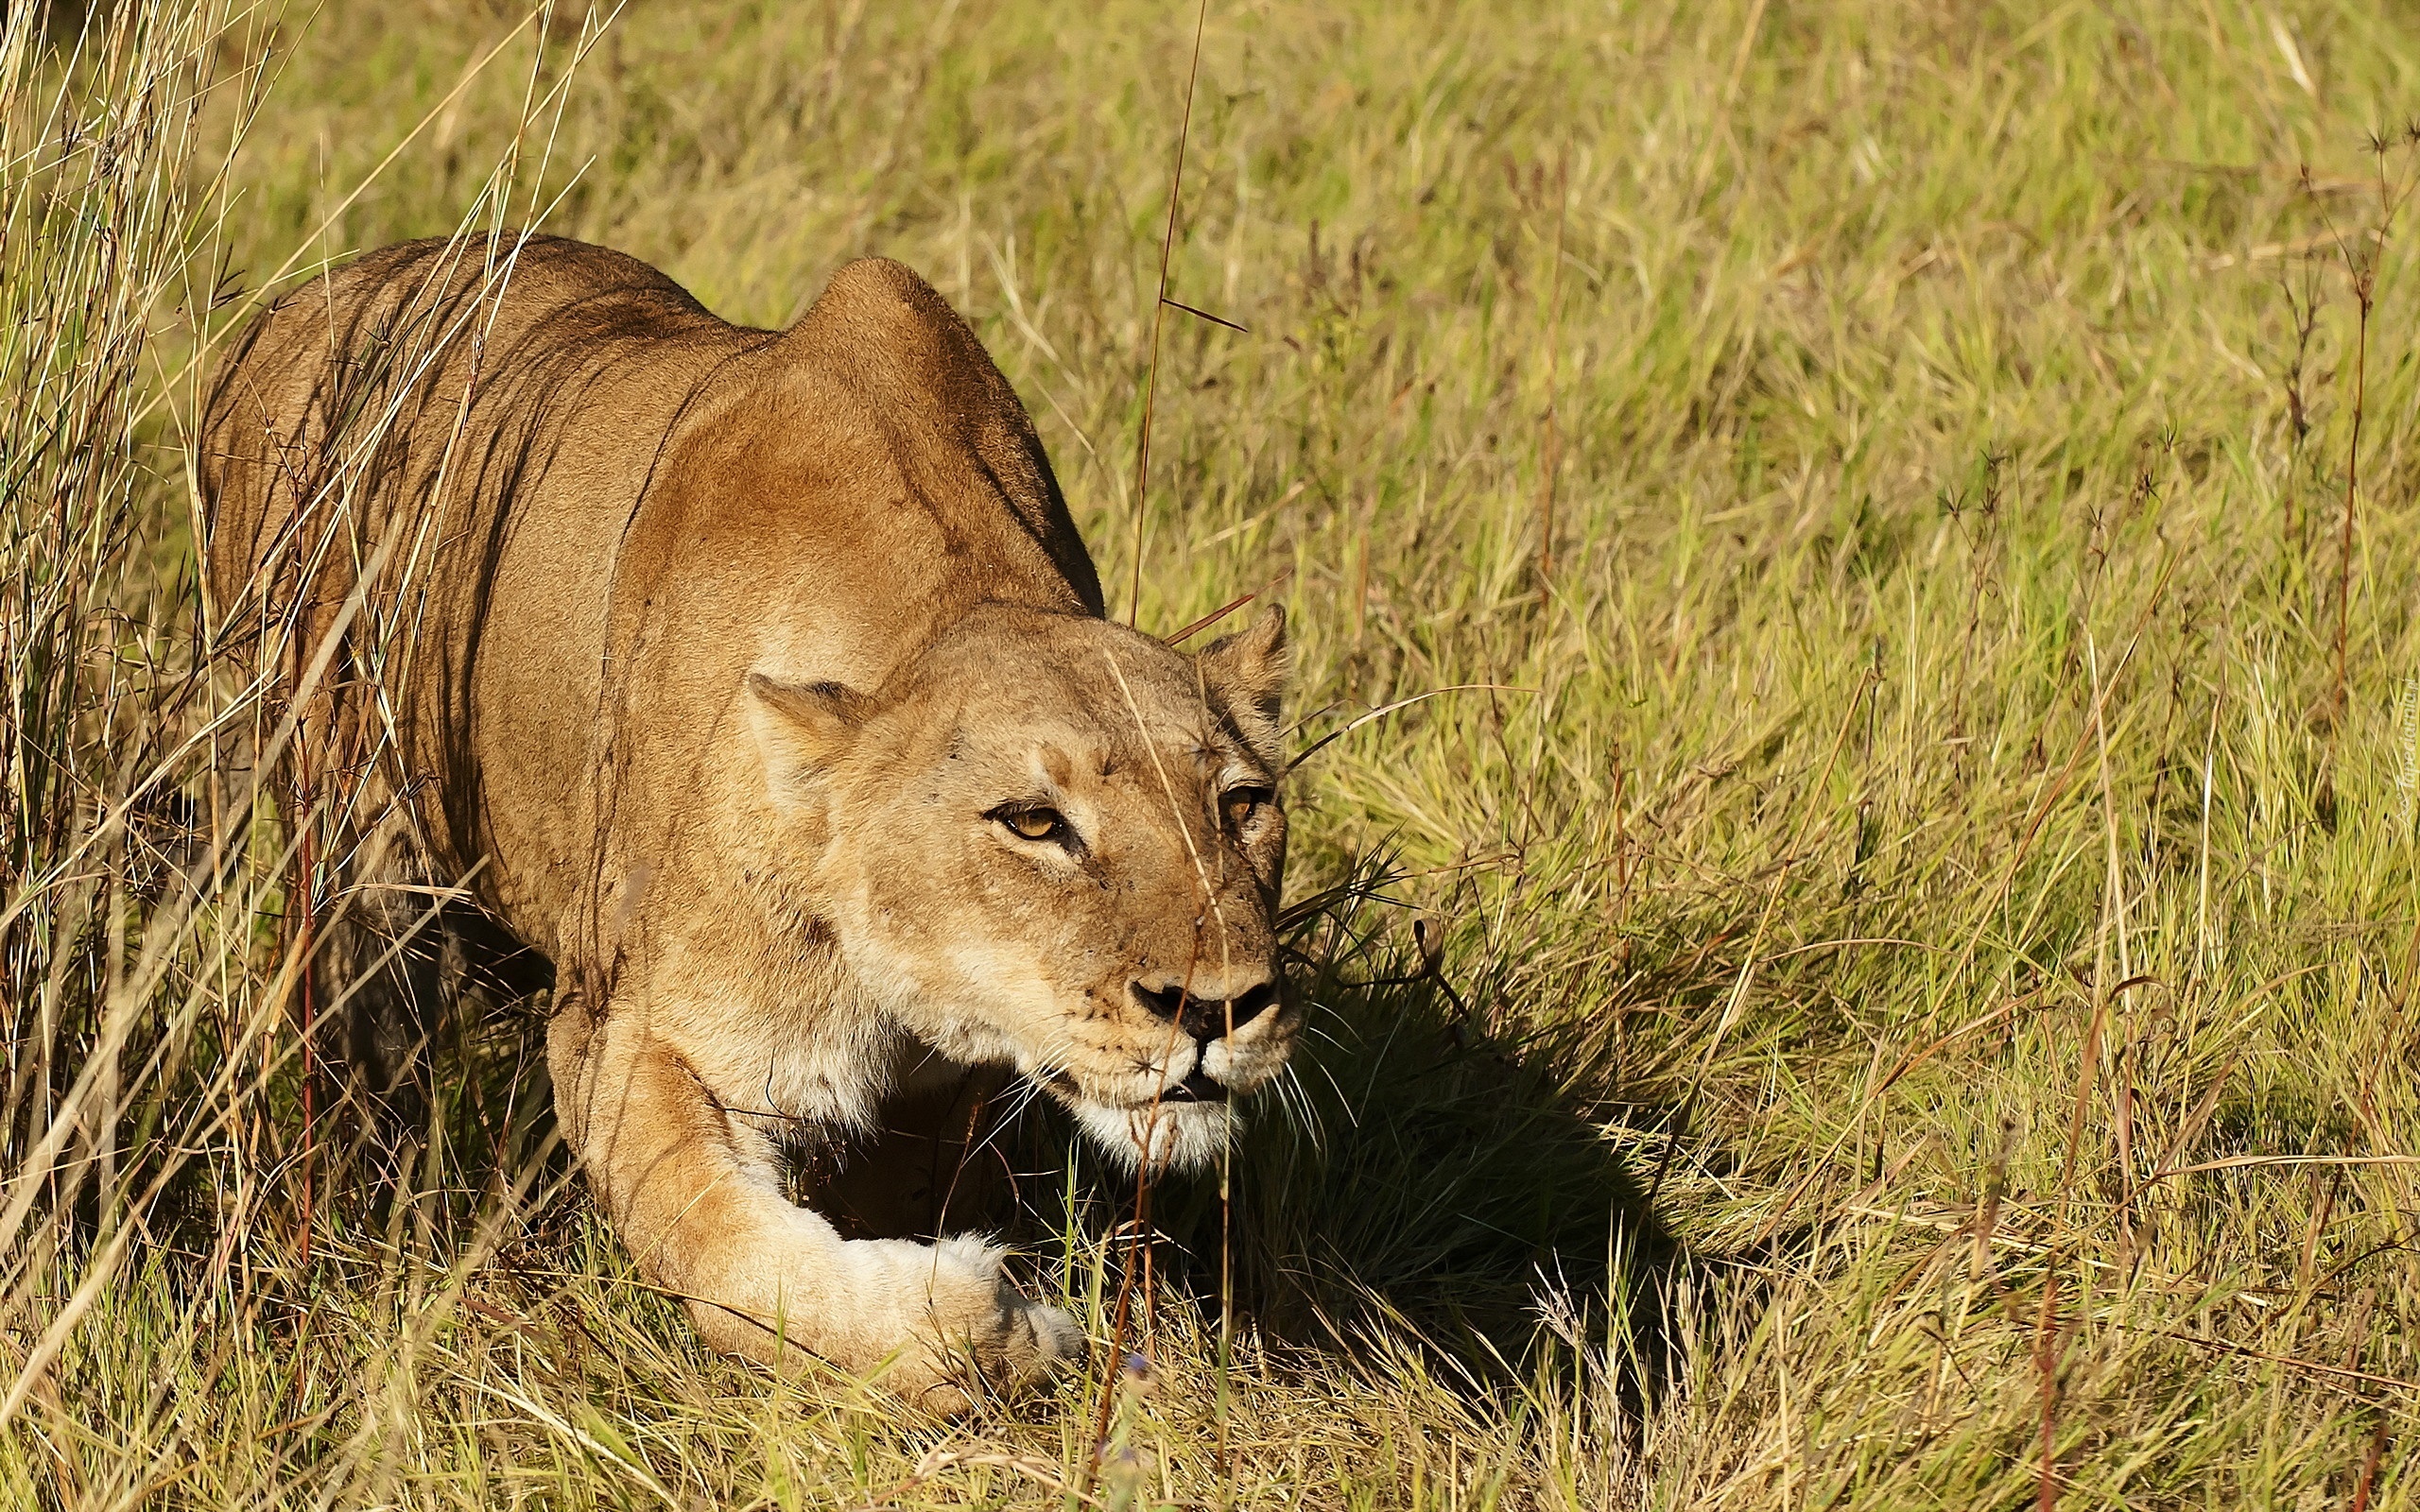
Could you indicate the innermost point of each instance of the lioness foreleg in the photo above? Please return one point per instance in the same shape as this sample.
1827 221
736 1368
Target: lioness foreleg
697 1196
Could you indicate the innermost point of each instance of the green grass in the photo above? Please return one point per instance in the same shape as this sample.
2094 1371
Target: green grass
1906 845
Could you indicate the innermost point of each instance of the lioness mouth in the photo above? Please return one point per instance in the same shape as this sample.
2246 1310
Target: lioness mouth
1199 1087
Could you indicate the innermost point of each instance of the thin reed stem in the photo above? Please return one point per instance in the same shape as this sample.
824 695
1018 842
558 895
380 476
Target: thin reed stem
1159 318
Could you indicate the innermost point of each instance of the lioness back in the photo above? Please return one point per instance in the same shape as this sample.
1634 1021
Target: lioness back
557 467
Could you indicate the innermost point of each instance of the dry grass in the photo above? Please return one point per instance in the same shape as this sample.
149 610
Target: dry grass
1923 924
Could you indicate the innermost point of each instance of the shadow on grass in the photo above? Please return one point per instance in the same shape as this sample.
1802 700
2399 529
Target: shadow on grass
1415 1177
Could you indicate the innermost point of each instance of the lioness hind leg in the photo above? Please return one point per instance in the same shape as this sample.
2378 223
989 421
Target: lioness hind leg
382 965
400 966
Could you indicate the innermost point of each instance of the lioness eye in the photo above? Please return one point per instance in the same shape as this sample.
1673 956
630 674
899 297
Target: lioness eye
1033 823
1242 802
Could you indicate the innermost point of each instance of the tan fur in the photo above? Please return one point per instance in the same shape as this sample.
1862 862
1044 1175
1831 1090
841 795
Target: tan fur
706 658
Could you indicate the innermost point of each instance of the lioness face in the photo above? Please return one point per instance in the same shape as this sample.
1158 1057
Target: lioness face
1056 843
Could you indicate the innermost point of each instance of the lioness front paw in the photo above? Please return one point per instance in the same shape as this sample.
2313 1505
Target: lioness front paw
1038 1342
987 1334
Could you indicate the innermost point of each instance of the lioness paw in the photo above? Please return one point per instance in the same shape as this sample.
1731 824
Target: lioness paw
985 1328
1042 1341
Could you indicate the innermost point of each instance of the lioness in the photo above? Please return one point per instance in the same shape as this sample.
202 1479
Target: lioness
759 682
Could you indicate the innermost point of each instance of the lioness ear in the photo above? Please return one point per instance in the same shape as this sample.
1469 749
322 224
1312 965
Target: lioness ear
802 728
1246 673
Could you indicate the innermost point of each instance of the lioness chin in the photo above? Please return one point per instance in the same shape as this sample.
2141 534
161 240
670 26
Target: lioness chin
759 683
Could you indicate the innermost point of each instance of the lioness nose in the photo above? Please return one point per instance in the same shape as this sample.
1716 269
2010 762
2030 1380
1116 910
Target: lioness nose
1207 1017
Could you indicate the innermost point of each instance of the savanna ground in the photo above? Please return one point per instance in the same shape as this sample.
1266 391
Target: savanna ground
1917 881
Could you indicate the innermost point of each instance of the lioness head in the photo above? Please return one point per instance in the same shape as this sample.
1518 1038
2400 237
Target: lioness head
1052 841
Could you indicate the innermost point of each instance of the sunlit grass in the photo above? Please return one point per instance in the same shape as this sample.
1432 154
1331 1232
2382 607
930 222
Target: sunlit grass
1924 944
